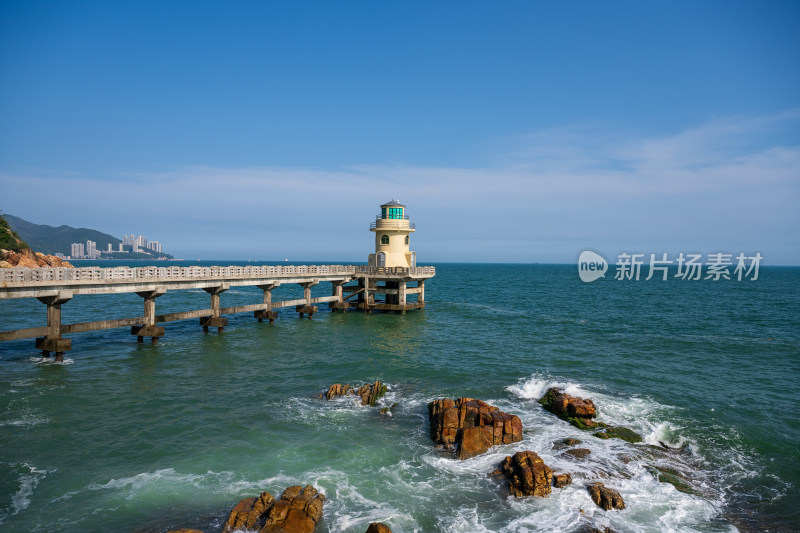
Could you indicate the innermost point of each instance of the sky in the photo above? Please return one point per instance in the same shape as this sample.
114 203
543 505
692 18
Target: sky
512 131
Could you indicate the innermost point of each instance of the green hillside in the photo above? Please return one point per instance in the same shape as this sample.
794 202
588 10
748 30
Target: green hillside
9 239
51 239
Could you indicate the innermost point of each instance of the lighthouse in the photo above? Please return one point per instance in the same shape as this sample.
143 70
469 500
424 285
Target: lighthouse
392 231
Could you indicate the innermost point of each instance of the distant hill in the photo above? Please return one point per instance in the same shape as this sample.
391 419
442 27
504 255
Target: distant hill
51 239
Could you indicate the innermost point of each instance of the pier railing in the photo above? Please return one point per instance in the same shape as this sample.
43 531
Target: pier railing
33 275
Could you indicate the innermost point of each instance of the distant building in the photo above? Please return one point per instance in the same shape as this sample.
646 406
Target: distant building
76 250
91 250
120 246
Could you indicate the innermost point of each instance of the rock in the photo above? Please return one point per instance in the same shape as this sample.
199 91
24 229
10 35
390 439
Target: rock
527 474
577 411
336 390
378 527
471 426
6 264
561 480
578 453
565 443
604 497
371 393
625 434
28 259
247 514
563 405
299 510
674 478
389 411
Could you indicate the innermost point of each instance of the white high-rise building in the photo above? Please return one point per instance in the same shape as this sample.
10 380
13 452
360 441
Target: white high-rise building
76 250
91 250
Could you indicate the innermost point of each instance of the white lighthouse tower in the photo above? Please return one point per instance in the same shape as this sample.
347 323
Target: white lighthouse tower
392 231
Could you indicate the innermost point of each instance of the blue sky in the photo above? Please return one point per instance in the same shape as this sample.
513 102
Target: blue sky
514 131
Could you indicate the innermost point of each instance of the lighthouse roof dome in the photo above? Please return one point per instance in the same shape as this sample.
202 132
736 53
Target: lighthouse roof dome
393 203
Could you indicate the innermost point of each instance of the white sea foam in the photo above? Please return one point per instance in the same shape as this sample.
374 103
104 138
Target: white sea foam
28 479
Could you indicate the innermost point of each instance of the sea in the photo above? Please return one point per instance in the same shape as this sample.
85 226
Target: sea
143 438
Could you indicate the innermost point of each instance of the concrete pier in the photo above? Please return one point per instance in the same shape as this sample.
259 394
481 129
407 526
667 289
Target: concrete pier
365 288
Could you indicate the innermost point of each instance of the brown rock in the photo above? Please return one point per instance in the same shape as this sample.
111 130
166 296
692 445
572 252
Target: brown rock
604 497
578 453
248 513
336 390
563 405
561 480
371 393
473 426
299 510
378 527
527 474
6 264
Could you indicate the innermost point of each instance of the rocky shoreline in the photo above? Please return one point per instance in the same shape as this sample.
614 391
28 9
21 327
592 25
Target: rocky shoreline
27 258
464 428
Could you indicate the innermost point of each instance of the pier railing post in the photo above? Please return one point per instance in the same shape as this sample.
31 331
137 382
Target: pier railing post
267 313
215 320
149 328
52 341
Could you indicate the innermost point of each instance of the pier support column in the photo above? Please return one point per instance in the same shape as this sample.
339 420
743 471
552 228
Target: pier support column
52 341
267 313
401 294
338 291
215 320
421 294
149 328
307 307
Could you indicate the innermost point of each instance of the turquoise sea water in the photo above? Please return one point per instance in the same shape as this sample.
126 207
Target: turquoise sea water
126 437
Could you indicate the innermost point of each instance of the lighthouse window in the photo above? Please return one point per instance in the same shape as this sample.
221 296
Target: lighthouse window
384 239
394 213
406 240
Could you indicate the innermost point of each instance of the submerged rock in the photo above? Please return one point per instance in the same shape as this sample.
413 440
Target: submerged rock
628 435
604 497
674 478
471 426
578 453
527 474
299 510
565 443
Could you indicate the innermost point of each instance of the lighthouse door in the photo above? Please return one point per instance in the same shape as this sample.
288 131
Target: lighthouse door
413 259
381 259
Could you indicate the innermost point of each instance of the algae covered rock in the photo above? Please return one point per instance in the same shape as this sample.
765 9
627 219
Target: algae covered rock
628 435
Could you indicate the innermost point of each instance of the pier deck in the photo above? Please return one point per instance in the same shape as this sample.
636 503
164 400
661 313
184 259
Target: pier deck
56 286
